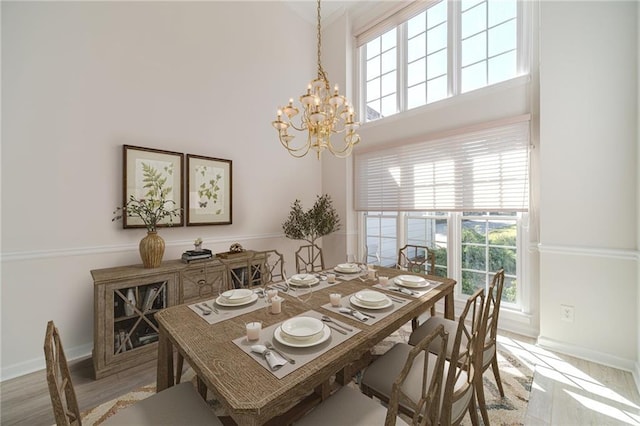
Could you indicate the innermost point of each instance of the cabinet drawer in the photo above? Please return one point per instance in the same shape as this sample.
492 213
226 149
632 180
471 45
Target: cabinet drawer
201 282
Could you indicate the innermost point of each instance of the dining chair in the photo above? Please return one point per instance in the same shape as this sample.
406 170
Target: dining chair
419 259
489 325
461 368
178 404
309 259
421 374
272 267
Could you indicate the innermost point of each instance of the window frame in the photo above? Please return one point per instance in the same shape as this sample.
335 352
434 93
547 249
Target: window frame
454 248
454 59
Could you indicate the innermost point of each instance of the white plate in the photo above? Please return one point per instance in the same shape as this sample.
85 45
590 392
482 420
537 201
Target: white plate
416 283
302 327
223 302
305 284
303 278
324 336
371 297
347 268
355 302
236 296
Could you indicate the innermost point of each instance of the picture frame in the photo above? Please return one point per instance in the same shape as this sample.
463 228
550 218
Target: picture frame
142 164
209 191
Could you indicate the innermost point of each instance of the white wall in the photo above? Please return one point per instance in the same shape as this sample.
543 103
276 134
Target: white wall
589 186
79 80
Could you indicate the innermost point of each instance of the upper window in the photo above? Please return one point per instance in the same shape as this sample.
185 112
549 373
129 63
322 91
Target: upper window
426 53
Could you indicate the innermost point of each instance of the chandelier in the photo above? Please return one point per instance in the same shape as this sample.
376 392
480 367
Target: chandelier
325 114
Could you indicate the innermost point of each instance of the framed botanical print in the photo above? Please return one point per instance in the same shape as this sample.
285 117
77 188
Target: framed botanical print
155 176
209 191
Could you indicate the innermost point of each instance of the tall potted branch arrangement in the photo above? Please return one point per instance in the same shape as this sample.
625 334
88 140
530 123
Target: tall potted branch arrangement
321 219
152 209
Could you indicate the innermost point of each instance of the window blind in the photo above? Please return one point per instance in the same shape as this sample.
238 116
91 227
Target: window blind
481 170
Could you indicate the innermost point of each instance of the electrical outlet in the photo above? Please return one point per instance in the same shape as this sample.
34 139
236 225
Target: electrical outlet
566 313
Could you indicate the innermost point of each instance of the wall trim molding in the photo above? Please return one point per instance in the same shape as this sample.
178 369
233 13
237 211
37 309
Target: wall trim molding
623 254
87 251
589 355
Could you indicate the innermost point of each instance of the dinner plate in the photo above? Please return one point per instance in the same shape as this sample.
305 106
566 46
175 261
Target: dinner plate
303 278
347 268
417 282
238 295
220 301
371 297
305 284
359 304
278 335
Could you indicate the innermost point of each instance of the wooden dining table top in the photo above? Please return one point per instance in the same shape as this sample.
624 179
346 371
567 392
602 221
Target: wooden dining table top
250 393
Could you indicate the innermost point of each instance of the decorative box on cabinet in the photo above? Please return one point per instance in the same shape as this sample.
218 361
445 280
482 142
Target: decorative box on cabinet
125 298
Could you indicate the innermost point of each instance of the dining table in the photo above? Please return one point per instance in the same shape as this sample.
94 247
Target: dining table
252 394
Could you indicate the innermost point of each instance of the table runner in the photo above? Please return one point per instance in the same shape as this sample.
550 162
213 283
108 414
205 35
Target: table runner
225 313
301 355
378 314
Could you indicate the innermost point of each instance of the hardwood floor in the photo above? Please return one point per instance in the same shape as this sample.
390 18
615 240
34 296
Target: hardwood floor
565 391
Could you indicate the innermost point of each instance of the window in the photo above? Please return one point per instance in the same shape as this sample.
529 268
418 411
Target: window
475 244
428 52
465 195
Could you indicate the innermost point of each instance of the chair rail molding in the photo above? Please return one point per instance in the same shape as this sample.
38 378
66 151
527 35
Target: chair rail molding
85 251
624 254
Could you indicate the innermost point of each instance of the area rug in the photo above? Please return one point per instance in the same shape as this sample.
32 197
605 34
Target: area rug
515 372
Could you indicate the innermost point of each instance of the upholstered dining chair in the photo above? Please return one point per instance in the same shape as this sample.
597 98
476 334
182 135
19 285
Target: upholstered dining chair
460 371
489 325
309 259
348 406
179 404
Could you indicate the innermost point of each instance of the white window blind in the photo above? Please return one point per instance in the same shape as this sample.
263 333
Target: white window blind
481 170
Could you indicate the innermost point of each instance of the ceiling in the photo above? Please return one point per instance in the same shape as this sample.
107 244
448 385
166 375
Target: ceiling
330 9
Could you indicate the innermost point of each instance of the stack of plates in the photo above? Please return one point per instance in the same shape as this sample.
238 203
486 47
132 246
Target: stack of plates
410 281
303 280
370 299
347 268
302 332
237 297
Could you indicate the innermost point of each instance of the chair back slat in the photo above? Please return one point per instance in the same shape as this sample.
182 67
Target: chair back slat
426 410
492 308
63 396
464 359
272 267
309 259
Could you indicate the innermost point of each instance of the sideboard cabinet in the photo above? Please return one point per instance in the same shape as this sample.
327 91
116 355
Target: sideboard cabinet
125 332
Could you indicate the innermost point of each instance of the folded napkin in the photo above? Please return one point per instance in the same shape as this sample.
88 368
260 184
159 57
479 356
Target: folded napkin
402 290
357 314
274 360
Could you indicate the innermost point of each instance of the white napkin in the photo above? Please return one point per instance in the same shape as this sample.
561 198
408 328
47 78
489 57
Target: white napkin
355 313
403 290
274 360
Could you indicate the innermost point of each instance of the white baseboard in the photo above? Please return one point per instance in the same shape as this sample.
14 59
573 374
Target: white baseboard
38 364
591 355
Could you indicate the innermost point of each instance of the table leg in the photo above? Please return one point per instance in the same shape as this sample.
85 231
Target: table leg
164 374
449 311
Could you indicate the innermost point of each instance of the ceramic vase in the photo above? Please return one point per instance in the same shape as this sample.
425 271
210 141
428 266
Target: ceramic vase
152 250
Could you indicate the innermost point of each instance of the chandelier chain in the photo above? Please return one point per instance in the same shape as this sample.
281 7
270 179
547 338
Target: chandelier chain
321 73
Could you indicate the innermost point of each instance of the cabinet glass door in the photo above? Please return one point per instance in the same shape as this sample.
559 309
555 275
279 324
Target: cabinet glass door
133 308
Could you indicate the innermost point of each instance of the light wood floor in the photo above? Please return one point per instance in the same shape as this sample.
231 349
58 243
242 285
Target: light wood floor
566 390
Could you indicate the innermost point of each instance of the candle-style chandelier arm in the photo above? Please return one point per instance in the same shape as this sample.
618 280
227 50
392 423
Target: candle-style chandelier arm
323 114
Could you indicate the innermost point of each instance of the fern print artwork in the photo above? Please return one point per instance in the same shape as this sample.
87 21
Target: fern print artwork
151 179
210 187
